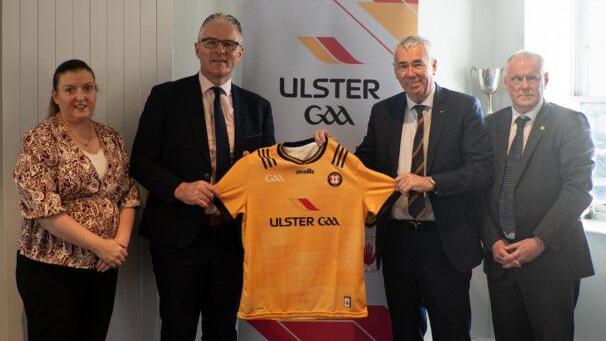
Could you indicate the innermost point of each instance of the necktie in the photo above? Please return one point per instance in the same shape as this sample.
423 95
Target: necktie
510 177
221 139
416 200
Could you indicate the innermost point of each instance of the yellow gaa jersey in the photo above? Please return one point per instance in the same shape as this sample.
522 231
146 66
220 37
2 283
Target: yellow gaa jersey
303 229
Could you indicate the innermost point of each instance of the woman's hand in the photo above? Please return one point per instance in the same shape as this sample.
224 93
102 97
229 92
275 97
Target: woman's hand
110 252
102 266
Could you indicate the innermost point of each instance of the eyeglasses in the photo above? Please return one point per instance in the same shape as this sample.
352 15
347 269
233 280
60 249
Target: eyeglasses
530 79
212 43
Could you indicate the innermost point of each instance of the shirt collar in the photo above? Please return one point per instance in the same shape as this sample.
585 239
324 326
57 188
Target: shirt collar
532 114
205 84
427 102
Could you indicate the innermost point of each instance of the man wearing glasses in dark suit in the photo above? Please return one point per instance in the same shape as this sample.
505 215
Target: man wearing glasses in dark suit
190 133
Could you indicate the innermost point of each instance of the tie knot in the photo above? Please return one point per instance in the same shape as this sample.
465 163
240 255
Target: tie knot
521 121
419 109
217 90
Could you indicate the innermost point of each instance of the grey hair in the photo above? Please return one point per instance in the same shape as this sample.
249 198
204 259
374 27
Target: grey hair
220 17
525 53
412 41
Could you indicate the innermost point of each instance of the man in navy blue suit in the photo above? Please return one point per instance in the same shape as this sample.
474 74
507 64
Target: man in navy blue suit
434 142
190 132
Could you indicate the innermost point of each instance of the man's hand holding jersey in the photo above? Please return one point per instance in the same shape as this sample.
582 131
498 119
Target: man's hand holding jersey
413 182
199 193
321 136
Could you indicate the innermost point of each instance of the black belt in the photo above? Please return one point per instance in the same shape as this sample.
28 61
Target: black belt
213 219
415 225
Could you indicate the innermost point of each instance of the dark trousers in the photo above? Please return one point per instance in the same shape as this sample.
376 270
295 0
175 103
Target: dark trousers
532 310
203 278
417 274
63 303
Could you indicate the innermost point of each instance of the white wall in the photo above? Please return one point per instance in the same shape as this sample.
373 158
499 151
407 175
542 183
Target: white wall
481 33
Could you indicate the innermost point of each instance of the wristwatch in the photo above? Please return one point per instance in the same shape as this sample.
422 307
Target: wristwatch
434 183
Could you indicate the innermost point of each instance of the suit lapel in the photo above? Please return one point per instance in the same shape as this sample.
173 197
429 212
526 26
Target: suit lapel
538 128
394 131
236 97
438 117
197 121
501 144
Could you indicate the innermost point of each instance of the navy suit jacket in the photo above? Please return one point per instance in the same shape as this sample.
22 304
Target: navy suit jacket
552 190
171 146
458 158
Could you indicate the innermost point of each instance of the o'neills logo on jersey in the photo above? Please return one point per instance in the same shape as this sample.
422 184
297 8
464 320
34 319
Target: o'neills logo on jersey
274 178
304 171
303 221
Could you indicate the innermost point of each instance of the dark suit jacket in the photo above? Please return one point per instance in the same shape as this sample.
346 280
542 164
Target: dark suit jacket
554 180
171 146
458 159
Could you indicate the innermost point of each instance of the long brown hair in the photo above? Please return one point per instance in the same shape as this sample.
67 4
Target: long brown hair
71 65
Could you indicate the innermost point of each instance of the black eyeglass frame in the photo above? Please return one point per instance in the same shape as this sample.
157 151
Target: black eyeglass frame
213 43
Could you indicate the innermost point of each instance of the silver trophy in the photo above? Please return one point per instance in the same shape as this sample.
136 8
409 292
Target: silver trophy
489 80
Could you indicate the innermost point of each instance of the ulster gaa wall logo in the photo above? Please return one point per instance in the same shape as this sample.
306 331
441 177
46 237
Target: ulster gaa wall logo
377 24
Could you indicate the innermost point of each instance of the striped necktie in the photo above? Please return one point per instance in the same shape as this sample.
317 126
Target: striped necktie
510 178
416 200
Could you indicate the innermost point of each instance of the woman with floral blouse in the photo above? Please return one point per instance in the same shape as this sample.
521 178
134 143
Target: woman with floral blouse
78 204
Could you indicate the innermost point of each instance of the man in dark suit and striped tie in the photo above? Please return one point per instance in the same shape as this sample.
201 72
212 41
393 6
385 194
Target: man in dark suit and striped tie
434 142
536 251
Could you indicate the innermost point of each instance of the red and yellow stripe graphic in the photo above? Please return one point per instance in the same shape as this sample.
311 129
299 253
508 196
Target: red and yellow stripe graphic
304 204
328 50
398 17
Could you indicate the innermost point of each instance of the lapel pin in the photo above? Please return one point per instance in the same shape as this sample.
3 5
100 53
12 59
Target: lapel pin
542 127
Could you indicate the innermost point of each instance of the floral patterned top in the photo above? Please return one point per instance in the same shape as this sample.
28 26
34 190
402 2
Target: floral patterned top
54 176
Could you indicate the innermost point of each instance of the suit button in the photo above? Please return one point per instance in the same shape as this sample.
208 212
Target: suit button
206 176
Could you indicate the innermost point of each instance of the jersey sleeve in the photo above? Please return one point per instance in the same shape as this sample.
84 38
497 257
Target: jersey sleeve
377 187
233 187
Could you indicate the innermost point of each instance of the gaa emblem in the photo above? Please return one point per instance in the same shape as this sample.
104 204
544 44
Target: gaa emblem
334 179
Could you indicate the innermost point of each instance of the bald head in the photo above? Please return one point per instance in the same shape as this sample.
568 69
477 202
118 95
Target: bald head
525 55
525 80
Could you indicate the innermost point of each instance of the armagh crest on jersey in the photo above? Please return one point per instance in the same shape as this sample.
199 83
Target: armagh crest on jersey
303 229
